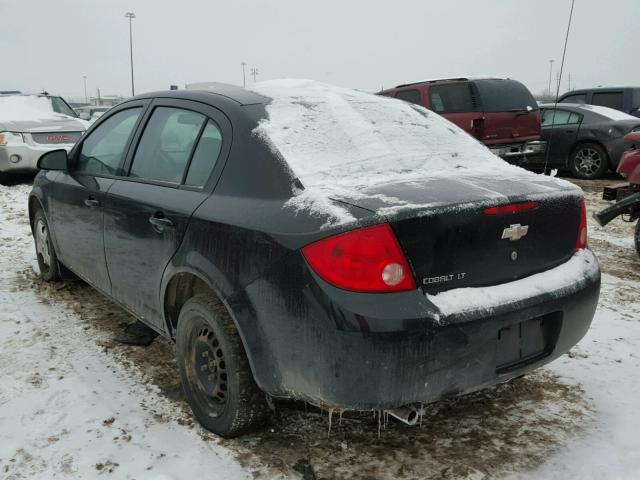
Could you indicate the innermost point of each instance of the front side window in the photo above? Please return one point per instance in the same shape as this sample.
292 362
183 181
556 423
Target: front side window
451 98
411 96
608 99
103 149
166 144
580 98
562 117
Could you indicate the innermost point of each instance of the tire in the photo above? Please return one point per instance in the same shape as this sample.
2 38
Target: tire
46 254
588 161
637 236
5 178
214 370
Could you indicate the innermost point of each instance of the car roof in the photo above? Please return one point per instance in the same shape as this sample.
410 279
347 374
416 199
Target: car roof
593 89
239 95
452 79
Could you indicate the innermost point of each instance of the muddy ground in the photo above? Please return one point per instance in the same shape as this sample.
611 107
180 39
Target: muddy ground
508 428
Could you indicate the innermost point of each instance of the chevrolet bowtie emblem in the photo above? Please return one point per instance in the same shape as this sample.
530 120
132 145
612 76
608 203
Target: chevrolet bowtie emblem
515 232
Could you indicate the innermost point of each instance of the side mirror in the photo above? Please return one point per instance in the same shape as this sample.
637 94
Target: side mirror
85 115
54 160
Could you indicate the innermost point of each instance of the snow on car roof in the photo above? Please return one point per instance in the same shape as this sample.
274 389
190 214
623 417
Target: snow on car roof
16 108
610 113
338 141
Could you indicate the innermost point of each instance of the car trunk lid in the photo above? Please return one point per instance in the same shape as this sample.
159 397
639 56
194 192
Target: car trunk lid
451 242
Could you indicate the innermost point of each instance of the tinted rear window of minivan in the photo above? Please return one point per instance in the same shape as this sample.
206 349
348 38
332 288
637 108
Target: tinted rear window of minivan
504 96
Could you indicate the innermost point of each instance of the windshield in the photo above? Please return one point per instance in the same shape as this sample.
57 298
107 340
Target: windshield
505 96
60 106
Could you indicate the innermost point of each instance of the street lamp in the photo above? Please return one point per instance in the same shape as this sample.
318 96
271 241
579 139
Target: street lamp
86 99
550 70
130 16
255 72
244 80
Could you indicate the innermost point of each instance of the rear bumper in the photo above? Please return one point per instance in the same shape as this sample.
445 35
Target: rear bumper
24 157
367 351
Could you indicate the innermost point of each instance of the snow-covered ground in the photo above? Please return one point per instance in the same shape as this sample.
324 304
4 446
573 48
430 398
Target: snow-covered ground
73 404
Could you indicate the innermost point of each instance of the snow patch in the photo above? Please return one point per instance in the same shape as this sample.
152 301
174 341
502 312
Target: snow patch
570 276
338 142
17 108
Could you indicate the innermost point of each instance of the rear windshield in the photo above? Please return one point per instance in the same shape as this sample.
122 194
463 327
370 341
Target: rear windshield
505 96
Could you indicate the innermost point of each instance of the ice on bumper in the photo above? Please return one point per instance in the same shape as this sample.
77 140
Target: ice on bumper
565 279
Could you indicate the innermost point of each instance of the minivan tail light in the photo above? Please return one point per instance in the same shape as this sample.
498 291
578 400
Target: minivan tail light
582 230
511 208
368 260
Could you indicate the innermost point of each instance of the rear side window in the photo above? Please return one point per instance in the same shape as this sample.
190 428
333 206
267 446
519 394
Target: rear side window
166 144
411 96
205 156
562 117
580 98
608 99
505 96
102 150
452 98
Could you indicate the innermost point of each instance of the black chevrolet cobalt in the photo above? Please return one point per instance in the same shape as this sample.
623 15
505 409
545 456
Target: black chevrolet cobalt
305 241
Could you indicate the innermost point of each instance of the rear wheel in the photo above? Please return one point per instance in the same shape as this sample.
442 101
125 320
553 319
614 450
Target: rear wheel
588 161
47 258
214 369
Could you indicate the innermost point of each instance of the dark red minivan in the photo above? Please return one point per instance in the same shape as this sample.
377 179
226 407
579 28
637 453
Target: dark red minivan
499 112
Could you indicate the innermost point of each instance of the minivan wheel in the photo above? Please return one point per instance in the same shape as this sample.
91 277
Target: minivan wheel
214 370
588 161
47 258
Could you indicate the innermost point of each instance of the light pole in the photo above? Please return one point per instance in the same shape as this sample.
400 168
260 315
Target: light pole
255 72
130 16
86 99
244 78
550 70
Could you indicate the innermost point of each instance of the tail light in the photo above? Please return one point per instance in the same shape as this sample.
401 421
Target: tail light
582 230
511 208
365 260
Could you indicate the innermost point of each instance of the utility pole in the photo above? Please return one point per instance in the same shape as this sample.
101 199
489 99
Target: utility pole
244 78
86 99
130 16
569 82
255 72
550 71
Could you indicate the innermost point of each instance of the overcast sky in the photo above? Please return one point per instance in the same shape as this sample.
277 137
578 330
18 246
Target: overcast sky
51 44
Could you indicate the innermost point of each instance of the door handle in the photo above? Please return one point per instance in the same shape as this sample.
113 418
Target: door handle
160 222
91 202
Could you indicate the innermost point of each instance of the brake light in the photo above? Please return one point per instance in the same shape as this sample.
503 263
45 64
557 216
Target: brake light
511 208
582 230
365 260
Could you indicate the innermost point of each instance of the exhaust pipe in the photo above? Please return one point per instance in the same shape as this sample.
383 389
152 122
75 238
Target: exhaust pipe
408 415
618 208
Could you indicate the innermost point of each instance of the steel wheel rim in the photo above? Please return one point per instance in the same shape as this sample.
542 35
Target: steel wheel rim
42 243
209 369
588 161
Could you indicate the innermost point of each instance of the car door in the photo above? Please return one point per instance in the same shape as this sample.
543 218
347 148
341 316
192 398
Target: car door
560 130
78 195
147 213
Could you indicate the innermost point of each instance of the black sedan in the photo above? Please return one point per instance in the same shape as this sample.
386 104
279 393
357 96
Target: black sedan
584 139
310 242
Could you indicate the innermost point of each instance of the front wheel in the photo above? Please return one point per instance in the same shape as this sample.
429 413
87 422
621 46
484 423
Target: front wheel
588 161
47 258
214 369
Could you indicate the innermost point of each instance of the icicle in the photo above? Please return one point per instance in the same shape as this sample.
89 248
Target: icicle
340 418
330 418
421 413
379 418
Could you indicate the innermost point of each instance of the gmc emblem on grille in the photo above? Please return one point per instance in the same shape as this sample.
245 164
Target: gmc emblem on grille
515 232
57 138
